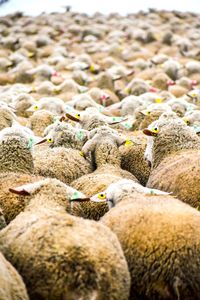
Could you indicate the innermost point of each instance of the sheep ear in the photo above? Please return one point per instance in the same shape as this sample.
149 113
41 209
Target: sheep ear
62 119
149 132
40 142
120 141
117 122
80 200
19 191
26 189
72 117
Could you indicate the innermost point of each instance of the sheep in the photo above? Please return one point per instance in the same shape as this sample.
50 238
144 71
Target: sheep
144 117
65 135
12 204
15 153
21 103
103 146
91 118
69 85
11 284
171 68
127 106
61 256
88 119
137 87
132 158
160 239
174 150
7 117
161 81
39 120
82 101
16 168
194 96
192 118
53 104
65 164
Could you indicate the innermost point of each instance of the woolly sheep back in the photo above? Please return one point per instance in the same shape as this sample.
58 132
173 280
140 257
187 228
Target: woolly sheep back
61 256
11 284
61 163
160 239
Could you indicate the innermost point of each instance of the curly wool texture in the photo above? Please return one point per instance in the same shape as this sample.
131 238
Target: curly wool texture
2 220
12 204
65 135
61 163
92 122
61 256
22 102
105 153
171 138
39 121
94 183
132 160
11 284
15 155
6 118
179 173
160 239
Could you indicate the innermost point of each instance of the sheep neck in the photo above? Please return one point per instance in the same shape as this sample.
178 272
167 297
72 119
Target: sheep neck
107 153
169 142
42 202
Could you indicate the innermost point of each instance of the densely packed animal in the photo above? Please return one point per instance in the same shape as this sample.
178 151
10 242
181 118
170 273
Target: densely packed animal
100 156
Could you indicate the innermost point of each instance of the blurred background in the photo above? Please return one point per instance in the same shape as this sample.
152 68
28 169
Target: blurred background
35 7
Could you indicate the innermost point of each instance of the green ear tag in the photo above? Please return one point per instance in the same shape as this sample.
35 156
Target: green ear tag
196 128
30 143
190 107
101 108
127 125
151 192
80 135
117 119
75 195
68 107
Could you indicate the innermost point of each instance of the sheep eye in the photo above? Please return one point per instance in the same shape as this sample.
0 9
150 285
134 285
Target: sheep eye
186 121
102 196
155 129
50 140
36 107
77 116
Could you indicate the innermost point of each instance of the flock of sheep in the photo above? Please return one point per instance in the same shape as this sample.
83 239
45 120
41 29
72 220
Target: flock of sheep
100 156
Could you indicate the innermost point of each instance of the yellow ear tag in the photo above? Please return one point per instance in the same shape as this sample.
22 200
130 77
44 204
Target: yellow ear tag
158 100
127 90
82 154
77 116
56 92
30 54
36 107
92 68
128 143
194 95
